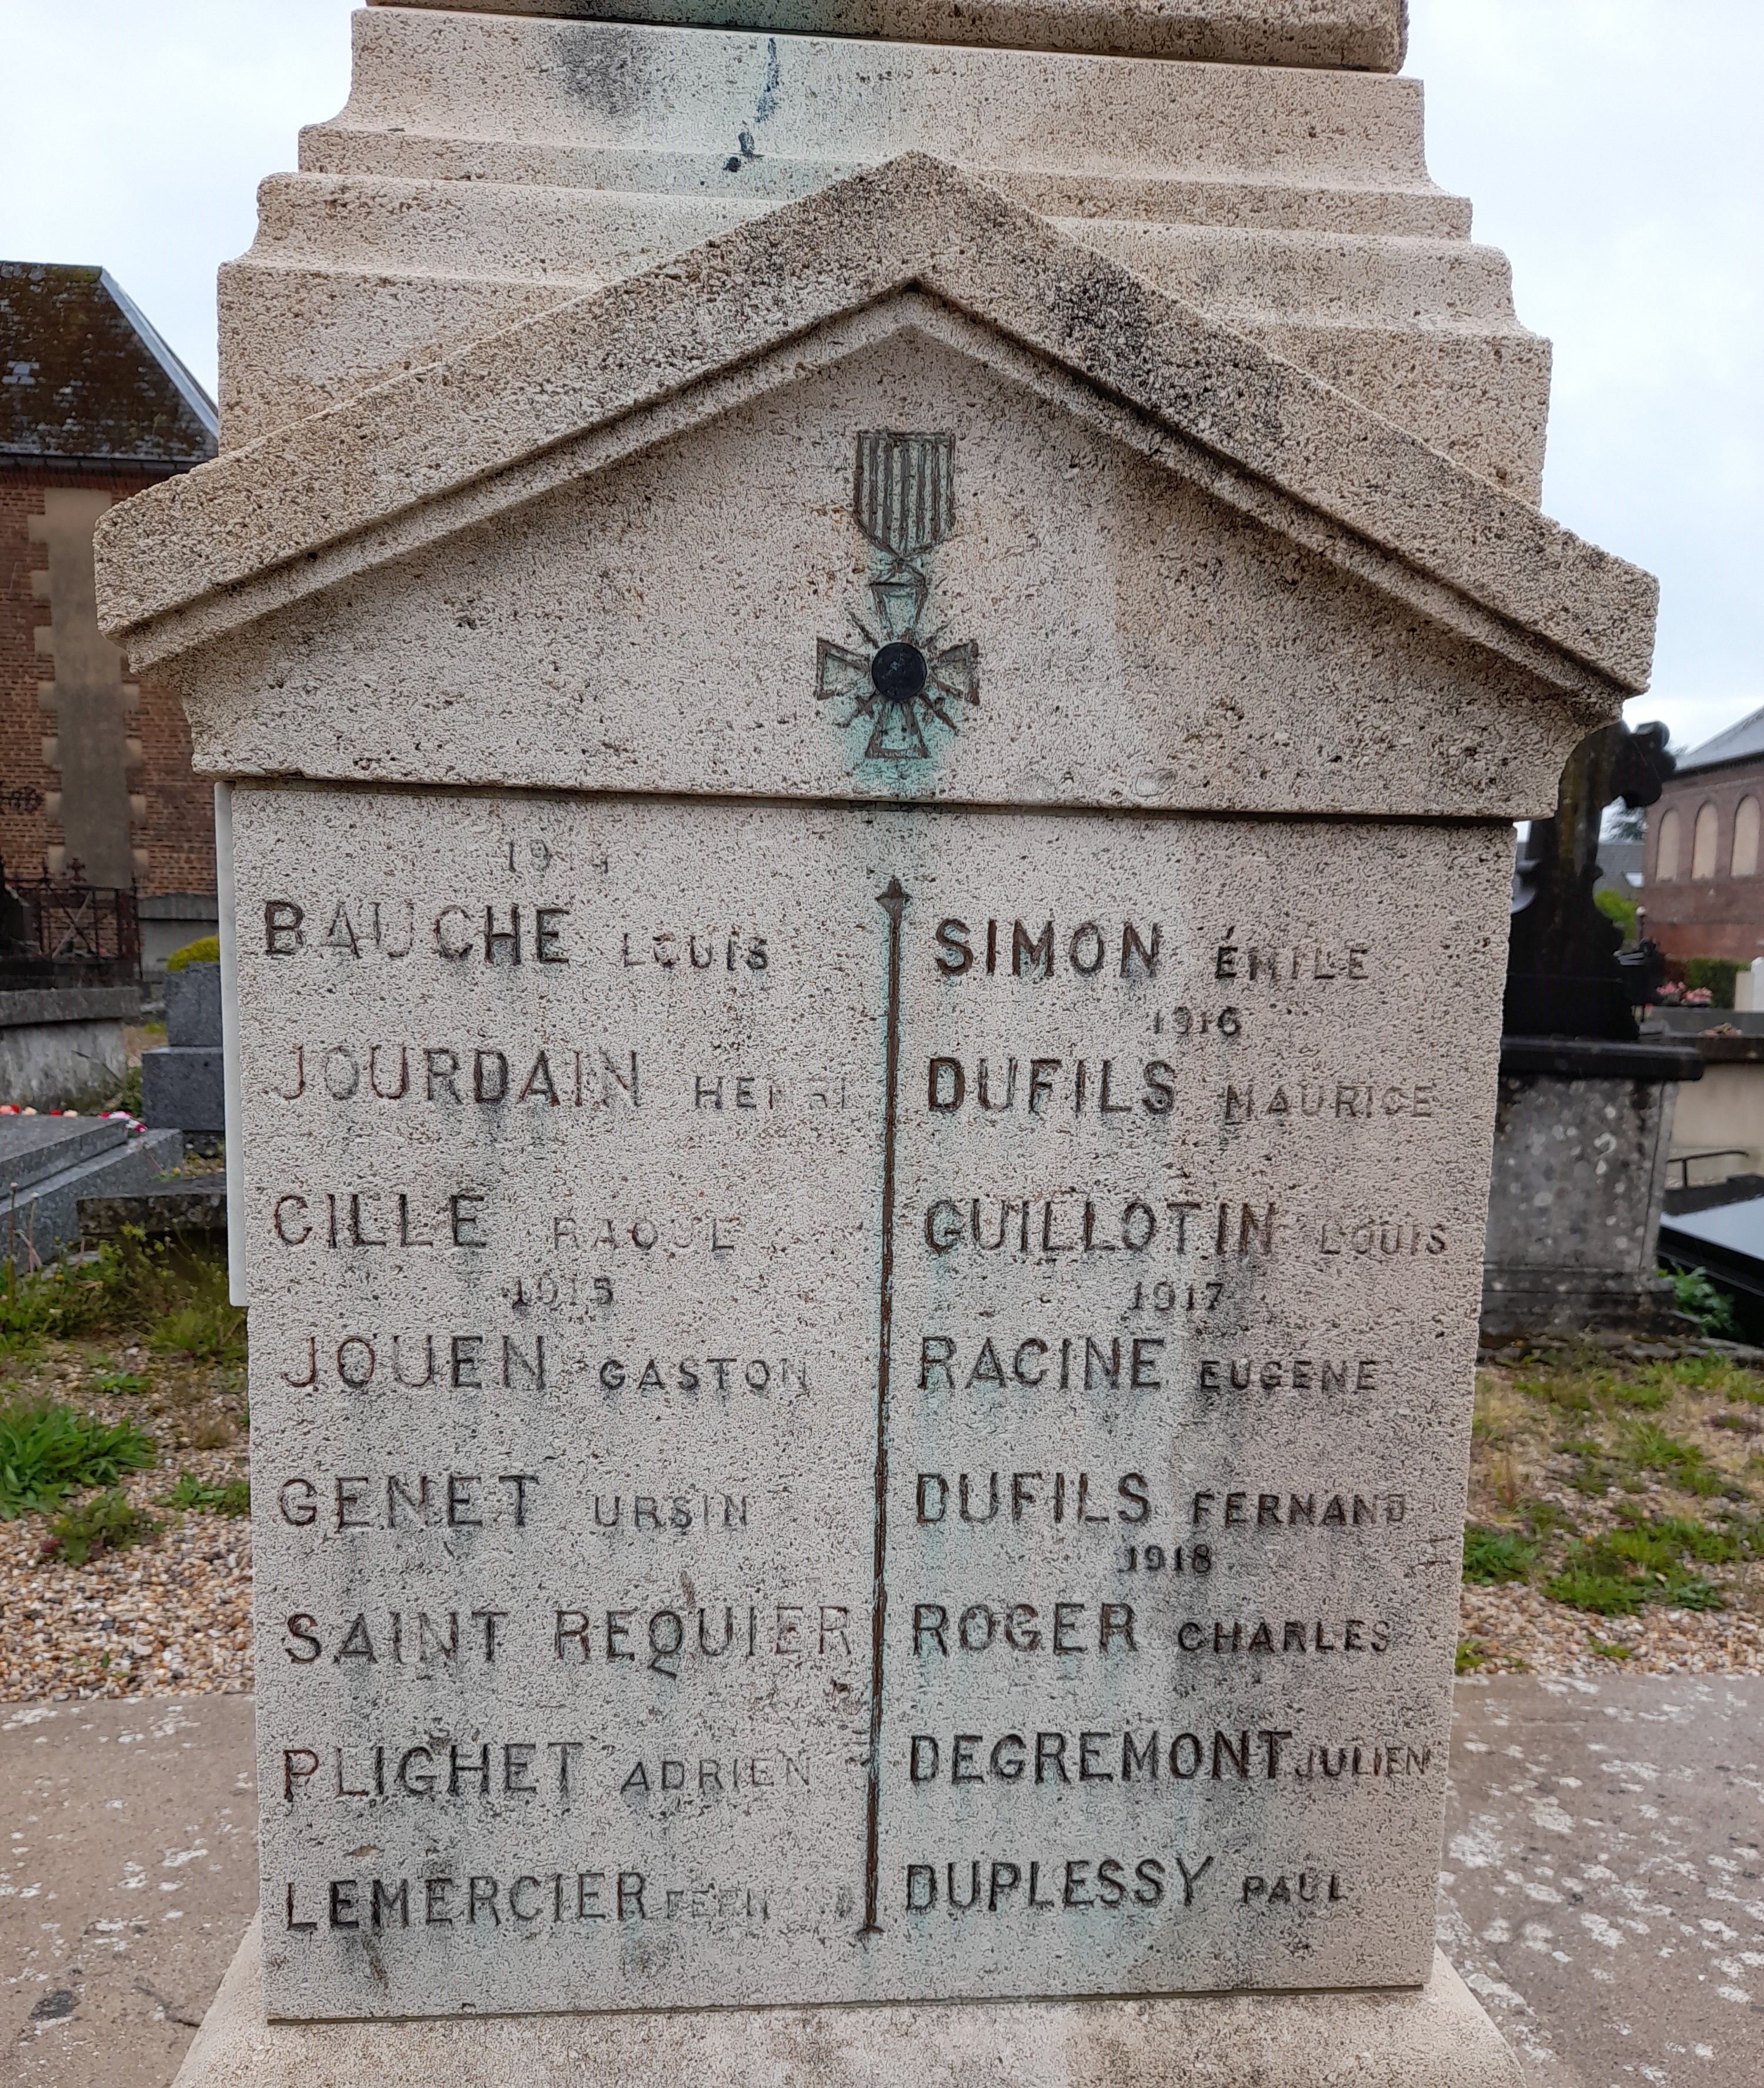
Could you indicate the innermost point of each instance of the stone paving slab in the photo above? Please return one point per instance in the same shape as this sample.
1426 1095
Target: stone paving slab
1602 1889
130 1874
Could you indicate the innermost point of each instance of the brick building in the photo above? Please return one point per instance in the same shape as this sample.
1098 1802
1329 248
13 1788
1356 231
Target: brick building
1704 888
93 407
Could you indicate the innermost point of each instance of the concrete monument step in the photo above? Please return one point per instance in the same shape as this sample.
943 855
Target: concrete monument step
344 152
495 77
355 268
1328 240
380 227
1432 2036
1355 33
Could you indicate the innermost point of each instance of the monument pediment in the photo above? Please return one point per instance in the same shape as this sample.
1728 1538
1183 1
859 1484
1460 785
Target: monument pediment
1142 467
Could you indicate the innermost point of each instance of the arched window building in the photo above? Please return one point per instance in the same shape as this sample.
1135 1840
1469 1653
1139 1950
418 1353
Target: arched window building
1703 842
1666 854
1746 839
1702 887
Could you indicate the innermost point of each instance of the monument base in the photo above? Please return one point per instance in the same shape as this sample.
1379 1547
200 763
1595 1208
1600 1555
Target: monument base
1435 2036
1582 1130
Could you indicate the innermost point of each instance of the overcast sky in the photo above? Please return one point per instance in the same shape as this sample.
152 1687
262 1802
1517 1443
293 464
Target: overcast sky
1614 148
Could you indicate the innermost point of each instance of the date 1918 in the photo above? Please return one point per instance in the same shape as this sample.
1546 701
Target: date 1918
1156 1559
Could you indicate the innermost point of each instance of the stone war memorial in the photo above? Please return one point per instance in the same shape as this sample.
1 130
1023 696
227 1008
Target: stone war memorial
870 668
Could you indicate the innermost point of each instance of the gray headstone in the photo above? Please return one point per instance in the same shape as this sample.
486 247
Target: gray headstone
193 1006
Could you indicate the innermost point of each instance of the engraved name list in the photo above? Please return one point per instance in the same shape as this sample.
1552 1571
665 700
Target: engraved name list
844 1395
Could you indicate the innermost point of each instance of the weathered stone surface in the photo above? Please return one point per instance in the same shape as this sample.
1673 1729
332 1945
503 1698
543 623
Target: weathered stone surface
57 1042
1586 1801
193 1005
487 167
1410 719
48 1164
1362 33
1173 1256
1577 1185
1435 2036
107 1996
183 1087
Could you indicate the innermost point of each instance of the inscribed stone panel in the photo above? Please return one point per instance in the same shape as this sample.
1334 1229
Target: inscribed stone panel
709 1261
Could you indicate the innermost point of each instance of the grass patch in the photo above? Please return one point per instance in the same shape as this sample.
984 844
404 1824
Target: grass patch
106 1523
1590 1384
1569 1391
1646 1560
179 1291
1593 1472
205 1324
1716 1374
1605 1648
1648 1447
47 1452
115 1381
1472 1654
1544 1519
1738 1424
1581 1587
1652 1447
232 1498
52 1304
1645 1393
1492 1556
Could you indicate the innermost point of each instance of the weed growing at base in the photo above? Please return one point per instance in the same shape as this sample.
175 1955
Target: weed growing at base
234 1498
1698 1299
207 1324
1492 1556
119 1381
47 1453
106 1523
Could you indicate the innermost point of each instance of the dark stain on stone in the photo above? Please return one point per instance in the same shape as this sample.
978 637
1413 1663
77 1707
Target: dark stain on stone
612 73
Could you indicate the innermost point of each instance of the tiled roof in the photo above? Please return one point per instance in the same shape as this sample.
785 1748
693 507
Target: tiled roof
84 378
1743 741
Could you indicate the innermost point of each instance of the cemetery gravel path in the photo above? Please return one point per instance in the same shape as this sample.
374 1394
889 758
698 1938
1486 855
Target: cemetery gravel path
1602 1888
128 1873
167 1616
